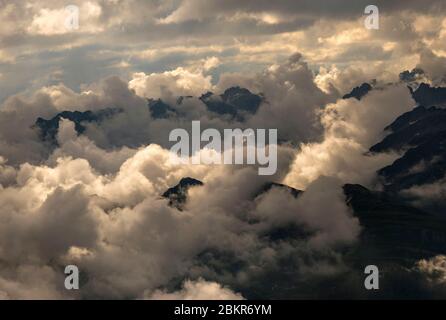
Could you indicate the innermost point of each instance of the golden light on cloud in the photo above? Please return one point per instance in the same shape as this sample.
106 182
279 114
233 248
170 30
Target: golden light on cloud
88 105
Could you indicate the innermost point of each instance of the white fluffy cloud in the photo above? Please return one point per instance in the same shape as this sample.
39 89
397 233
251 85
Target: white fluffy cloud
123 235
180 81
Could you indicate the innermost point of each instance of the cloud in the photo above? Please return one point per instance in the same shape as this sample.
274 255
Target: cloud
114 38
321 209
433 269
211 63
94 199
53 21
293 99
197 290
434 65
124 236
200 9
351 127
430 196
30 282
180 81
70 144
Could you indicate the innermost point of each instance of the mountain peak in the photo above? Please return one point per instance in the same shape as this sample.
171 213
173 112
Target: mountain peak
358 92
429 96
177 194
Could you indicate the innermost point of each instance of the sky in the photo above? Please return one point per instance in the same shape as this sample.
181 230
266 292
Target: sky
93 199
209 38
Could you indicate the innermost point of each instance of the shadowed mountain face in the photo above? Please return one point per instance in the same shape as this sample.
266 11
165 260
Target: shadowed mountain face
429 96
236 102
420 165
358 92
270 185
424 94
242 99
394 236
393 229
413 128
386 220
411 76
49 128
421 134
177 195
160 110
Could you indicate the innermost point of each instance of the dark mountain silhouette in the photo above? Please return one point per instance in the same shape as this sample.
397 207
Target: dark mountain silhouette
358 92
393 236
421 135
411 76
270 185
392 227
424 94
394 230
413 128
160 110
234 101
428 96
177 194
48 128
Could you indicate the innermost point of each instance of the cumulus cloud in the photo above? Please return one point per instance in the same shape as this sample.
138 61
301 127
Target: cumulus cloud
180 81
122 233
198 290
30 282
321 208
211 63
293 99
72 145
70 196
124 236
351 127
94 199
434 65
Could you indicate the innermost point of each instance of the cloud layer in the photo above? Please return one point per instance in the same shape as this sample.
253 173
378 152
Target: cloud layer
94 199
